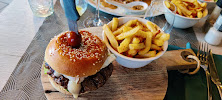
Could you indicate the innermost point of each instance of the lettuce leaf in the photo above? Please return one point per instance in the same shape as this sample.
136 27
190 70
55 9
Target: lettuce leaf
46 70
67 90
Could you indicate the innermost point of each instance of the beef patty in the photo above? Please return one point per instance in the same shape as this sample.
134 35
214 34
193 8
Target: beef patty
90 83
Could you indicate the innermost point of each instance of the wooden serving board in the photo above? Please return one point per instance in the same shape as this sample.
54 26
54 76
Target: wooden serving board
146 83
149 82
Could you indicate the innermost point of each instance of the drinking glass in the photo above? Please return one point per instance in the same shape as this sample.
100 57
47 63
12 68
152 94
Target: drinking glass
41 8
149 15
81 6
96 20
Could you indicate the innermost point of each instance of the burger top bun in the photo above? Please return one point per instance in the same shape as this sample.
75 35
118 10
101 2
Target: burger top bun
83 61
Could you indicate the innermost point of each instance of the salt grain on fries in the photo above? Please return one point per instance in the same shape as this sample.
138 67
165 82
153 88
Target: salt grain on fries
134 39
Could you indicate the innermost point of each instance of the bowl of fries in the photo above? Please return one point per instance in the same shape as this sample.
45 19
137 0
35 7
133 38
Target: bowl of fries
188 12
134 41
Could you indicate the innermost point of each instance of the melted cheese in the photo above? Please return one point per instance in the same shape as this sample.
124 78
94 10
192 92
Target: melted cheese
75 79
57 74
74 85
109 60
74 88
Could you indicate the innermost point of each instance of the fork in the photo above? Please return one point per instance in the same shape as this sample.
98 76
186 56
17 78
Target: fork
203 54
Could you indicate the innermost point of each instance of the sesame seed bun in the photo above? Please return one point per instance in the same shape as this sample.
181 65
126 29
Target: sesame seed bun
84 61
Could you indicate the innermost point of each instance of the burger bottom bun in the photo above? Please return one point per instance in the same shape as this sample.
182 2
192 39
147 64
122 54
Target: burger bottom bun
58 87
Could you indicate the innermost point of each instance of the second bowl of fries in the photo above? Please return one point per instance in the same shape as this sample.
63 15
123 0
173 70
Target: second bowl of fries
188 12
135 41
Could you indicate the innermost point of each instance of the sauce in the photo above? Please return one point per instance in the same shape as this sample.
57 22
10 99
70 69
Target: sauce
74 88
74 85
105 4
147 1
137 7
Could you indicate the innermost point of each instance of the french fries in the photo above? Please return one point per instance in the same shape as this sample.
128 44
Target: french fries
179 11
165 37
141 33
199 14
190 1
126 28
114 24
124 45
158 35
135 39
128 33
151 27
147 43
158 42
148 54
155 47
188 8
183 9
205 12
110 36
132 52
120 30
203 5
167 4
137 46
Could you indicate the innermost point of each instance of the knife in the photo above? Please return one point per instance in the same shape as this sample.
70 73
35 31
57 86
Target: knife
214 74
71 14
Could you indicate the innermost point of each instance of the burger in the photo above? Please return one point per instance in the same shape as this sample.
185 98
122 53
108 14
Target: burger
77 63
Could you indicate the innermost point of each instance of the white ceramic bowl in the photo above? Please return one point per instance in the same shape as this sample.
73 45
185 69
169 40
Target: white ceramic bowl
180 21
128 61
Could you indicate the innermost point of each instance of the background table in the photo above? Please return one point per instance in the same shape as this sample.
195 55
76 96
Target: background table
18 27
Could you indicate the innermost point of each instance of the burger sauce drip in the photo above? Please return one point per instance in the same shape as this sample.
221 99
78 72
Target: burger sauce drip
74 88
74 39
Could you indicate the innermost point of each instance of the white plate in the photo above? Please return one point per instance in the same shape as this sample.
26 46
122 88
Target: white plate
121 12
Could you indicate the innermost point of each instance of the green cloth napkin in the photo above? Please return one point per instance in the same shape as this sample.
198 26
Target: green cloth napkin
191 87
